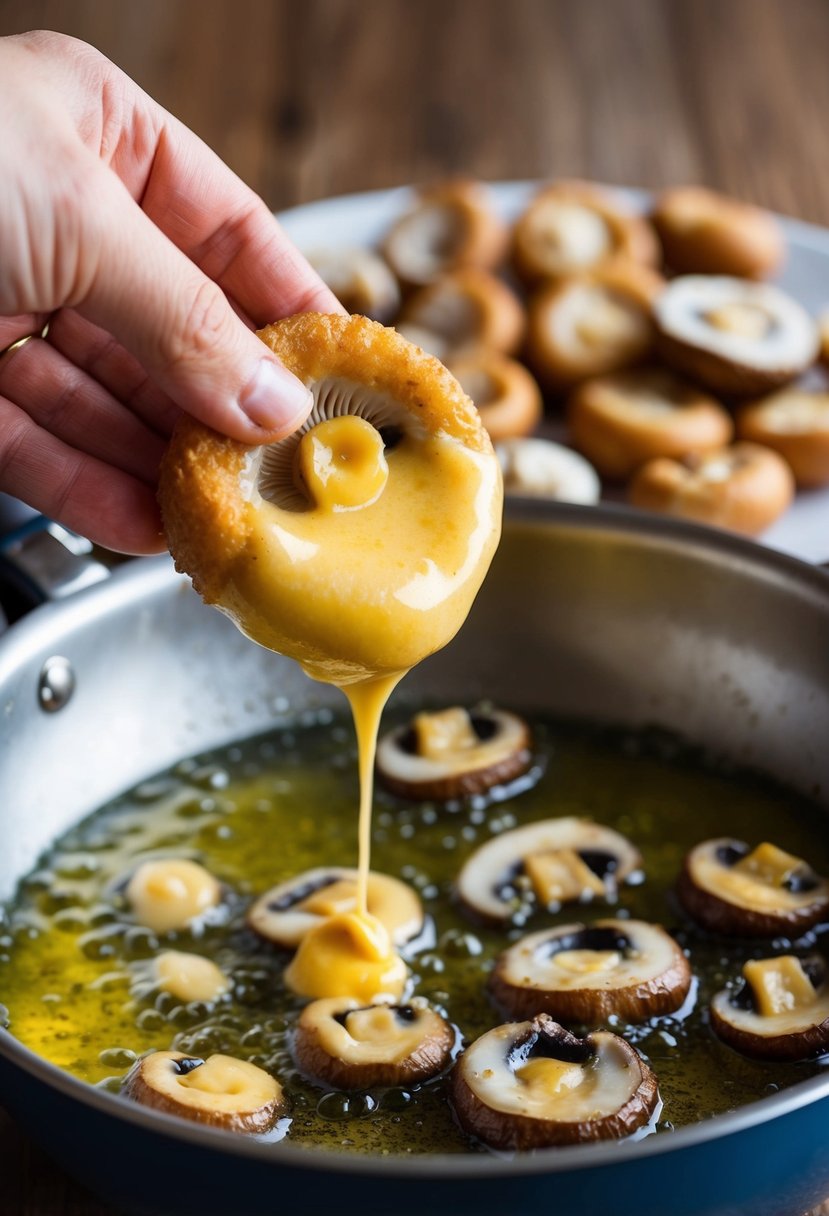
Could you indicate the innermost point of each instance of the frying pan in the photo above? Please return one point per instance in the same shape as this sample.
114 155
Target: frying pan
597 613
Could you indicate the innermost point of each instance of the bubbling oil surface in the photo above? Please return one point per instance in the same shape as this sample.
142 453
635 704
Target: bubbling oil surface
75 968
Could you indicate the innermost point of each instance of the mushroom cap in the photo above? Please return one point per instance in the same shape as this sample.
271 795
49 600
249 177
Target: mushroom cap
572 226
505 394
735 337
495 748
238 525
533 1084
287 912
794 422
352 1046
449 226
801 1027
744 487
586 973
360 279
731 889
171 893
592 323
539 468
624 419
219 1091
558 851
466 309
189 977
704 232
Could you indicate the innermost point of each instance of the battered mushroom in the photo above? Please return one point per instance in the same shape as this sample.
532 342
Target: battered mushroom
464 310
361 281
780 1012
575 226
622 420
539 468
449 226
730 888
349 1046
552 862
286 913
703 232
795 423
745 487
454 753
220 1091
172 894
533 1084
592 323
736 337
189 977
505 394
586 973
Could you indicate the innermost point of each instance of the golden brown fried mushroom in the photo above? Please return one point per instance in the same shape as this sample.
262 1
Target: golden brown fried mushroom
219 1091
539 468
464 310
703 232
505 394
795 423
286 913
172 893
622 420
449 226
735 337
730 888
551 862
349 1046
586 973
361 281
745 487
779 1012
453 753
189 977
592 323
575 226
534 1084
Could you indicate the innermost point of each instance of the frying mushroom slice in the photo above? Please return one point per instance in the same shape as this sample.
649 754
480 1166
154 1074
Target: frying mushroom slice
575 226
703 232
736 337
454 753
505 394
533 1084
449 226
287 913
745 487
220 1091
622 420
592 323
586 973
464 310
730 888
795 423
189 977
349 1046
539 468
554 861
780 1012
361 281
172 894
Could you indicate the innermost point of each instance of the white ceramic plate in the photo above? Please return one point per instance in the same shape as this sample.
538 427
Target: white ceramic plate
363 219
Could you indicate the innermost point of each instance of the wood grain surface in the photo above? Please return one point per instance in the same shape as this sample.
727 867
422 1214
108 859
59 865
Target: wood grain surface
307 98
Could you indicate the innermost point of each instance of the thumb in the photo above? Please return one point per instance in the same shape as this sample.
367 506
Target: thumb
179 324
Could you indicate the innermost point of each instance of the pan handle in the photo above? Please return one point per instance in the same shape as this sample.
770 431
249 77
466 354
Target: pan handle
41 560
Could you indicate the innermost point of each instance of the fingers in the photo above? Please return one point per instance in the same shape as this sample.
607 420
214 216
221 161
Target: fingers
178 323
110 507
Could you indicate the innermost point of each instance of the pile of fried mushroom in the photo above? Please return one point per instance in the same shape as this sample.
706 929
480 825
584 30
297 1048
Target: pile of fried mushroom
677 369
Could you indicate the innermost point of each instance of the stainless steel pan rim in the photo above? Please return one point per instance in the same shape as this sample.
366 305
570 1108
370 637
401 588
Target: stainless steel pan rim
140 578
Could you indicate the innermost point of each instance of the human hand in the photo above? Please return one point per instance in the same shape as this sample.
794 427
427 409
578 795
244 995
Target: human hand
154 262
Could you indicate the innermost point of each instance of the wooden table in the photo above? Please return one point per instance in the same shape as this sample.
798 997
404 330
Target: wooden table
306 98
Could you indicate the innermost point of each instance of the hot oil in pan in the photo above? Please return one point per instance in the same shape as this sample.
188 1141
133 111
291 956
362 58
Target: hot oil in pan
74 965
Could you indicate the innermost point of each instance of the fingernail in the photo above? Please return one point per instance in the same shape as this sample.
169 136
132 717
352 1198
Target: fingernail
274 399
